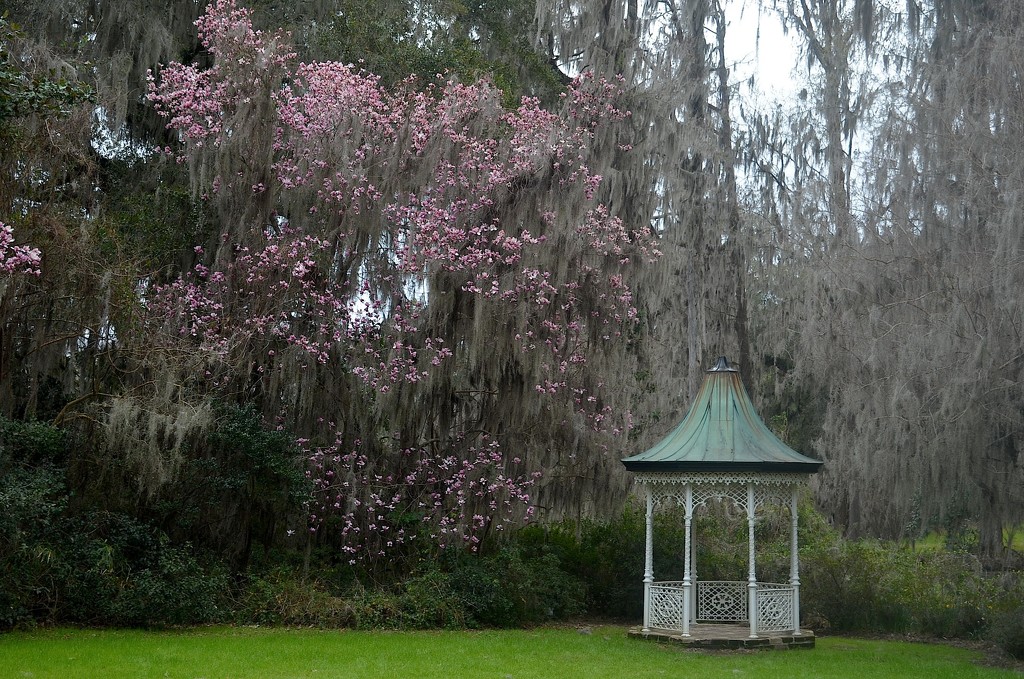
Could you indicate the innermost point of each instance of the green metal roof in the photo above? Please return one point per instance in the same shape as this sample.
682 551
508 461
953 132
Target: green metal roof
721 433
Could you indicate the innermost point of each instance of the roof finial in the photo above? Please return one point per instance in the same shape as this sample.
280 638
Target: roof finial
722 365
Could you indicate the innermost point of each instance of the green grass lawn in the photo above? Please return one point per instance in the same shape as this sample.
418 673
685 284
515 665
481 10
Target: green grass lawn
514 654
1014 537
936 539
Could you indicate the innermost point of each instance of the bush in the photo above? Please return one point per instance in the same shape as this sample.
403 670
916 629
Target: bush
483 593
858 587
1008 631
32 501
177 590
114 569
428 601
534 579
376 609
281 597
30 444
866 586
425 601
232 492
91 567
514 586
610 558
62 564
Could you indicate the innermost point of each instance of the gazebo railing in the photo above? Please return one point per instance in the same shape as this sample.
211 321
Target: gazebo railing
722 601
667 605
774 606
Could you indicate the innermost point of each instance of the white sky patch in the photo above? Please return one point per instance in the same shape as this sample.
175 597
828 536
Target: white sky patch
116 144
756 46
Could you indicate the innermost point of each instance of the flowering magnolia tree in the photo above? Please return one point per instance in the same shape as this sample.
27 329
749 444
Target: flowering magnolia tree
414 279
17 259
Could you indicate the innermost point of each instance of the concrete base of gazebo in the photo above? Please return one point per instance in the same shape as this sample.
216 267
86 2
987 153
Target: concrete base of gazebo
726 636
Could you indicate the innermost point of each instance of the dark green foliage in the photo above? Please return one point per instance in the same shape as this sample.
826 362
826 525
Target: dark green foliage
282 597
483 38
108 567
522 582
526 581
97 568
237 490
482 589
100 566
424 601
1008 631
116 570
30 444
857 586
611 559
612 563
267 462
91 567
31 502
24 93
151 216
875 587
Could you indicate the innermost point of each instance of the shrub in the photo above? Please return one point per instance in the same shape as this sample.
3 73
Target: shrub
30 444
32 501
955 597
518 583
535 576
483 593
865 586
1008 631
522 582
90 567
376 609
282 597
428 601
176 590
114 569
610 558
33 498
858 586
245 477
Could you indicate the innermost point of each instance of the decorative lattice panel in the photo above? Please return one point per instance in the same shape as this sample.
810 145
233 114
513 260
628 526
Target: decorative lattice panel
721 601
671 495
670 488
702 494
774 607
666 607
770 494
655 479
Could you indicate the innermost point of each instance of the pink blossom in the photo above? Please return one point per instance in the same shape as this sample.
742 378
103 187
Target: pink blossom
17 259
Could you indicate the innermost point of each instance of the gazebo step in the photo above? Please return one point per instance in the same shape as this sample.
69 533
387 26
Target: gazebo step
726 637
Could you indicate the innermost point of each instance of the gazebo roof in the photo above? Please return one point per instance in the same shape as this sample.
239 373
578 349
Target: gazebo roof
722 433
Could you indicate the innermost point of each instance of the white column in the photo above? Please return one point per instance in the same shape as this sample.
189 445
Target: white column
752 573
794 561
693 577
687 591
648 559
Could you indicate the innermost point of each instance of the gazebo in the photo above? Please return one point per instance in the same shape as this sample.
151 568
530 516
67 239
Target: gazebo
722 450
